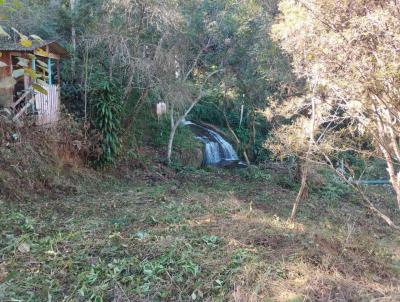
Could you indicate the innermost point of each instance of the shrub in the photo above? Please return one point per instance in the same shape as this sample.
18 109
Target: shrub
329 186
254 173
107 119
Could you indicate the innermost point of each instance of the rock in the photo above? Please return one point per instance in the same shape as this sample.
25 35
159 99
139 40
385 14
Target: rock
192 158
24 248
173 190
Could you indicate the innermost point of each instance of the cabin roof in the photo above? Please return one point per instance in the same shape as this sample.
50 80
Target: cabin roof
55 47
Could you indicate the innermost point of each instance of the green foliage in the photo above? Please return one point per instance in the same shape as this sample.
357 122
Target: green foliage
285 181
332 189
254 173
239 257
141 276
210 110
94 282
320 35
159 132
153 132
357 166
375 169
255 68
107 119
211 240
9 6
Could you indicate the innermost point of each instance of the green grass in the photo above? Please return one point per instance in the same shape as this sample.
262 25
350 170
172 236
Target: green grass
203 236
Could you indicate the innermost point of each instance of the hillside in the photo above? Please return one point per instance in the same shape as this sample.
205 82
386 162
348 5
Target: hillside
199 150
199 237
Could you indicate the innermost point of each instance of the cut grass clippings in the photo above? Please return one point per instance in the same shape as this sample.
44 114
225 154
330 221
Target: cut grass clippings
200 237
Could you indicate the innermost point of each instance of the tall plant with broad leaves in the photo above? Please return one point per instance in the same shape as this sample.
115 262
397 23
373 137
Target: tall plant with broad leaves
107 119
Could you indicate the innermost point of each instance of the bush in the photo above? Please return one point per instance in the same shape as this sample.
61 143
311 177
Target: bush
329 186
107 119
254 173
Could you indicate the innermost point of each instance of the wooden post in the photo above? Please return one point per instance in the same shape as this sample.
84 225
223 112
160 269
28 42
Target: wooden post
49 71
26 82
58 73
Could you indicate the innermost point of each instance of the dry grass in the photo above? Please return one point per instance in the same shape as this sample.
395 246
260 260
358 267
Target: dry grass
42 161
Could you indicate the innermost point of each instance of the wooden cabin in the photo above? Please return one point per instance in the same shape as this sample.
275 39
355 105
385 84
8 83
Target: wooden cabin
16 91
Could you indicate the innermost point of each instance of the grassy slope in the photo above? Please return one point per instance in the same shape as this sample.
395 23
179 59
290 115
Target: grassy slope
201 236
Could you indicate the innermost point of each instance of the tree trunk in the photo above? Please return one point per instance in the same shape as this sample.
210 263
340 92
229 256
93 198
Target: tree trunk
73 4
86 64
111 63
394 178
370 206
184 115
252 133
172 116
238 142
129 85
241 115
387 142
302 192
305 166
253 128
171 142
176 125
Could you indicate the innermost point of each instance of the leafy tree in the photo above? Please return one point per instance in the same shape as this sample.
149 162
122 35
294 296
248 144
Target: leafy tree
347 52
166 51
254 67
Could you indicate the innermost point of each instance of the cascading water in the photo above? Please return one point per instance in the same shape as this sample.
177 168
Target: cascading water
217 150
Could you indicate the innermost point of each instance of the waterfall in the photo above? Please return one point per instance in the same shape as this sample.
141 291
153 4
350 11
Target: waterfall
217 150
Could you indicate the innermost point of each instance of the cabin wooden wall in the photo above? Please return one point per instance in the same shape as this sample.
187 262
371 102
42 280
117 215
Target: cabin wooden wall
5 58
6 81
48 106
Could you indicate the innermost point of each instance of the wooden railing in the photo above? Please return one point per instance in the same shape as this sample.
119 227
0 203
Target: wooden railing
24 109
15 104
25 96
